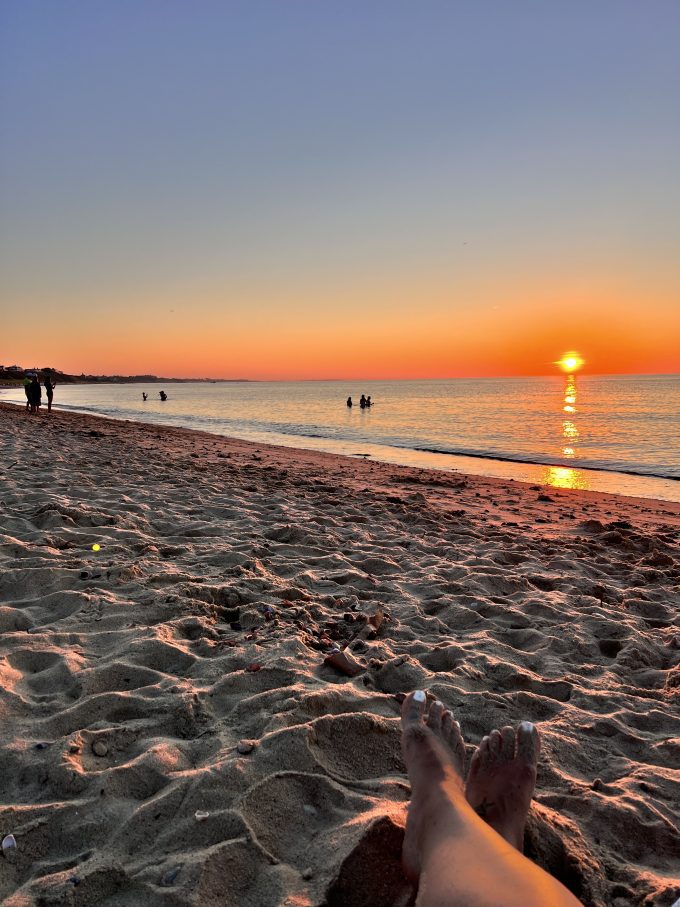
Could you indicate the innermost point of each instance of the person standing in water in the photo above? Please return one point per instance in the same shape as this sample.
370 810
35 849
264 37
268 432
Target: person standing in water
144 396
349 402
49 388
362 402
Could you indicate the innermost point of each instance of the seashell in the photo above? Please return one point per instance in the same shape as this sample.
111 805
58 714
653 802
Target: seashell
244 747
200 815
169 878
9 842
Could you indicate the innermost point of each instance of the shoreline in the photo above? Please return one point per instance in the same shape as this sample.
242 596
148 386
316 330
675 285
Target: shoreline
173 734
552 475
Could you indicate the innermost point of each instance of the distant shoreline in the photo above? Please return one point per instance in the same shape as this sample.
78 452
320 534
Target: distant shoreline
13 379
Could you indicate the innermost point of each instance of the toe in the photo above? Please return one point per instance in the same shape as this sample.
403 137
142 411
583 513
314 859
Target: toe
507 742
448 727
413 708
475 764
483 752
495 743
457 744
528 743
434 719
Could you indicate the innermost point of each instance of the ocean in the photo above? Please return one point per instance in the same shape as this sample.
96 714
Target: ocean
604 433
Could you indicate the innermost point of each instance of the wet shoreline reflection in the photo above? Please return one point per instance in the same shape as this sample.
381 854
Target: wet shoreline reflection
566 476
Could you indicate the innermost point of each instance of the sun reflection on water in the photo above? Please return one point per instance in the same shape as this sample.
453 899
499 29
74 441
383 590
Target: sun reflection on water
565 476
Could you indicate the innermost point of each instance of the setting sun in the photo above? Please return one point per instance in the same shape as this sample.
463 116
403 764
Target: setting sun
570 362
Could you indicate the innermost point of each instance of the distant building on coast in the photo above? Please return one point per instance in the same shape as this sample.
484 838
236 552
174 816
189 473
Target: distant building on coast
14 368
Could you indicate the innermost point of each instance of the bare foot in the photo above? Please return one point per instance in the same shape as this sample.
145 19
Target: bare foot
502 780
434 753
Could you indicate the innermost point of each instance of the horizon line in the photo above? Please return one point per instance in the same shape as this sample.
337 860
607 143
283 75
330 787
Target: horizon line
554 374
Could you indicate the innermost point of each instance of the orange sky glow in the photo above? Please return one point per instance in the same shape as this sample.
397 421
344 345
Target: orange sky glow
229 204
502 334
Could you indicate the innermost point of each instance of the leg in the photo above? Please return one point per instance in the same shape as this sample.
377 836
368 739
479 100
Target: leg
458 858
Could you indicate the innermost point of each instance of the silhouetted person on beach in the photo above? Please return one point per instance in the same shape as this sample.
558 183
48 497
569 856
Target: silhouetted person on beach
463 841
162 395
49 389
368 401
27 384
362 402
349 402
144 396
34 394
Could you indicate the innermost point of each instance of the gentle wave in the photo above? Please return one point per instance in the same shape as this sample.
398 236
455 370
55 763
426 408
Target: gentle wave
273 428
612 433
594 465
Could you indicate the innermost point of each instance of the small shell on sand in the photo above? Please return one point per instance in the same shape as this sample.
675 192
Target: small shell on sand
9 844
99 748
244 747
200 815
169 877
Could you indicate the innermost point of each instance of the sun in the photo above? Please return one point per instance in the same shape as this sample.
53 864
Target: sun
570 362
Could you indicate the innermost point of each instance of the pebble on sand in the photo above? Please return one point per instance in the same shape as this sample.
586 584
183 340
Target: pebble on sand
344 662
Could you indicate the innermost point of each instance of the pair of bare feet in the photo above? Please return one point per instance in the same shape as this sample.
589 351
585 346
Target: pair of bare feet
463 841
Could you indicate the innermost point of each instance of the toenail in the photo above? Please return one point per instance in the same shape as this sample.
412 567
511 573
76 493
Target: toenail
526 726
419 696
439 703
457 723
485 739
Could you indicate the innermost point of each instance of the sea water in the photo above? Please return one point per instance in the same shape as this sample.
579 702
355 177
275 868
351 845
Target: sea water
608 433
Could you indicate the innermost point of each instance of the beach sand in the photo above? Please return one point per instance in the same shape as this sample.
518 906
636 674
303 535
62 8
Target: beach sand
172 735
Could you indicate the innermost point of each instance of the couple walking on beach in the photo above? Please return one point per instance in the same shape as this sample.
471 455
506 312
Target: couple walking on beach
33 393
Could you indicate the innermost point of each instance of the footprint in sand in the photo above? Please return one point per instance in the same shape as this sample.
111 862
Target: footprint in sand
45 675
370 746
311 804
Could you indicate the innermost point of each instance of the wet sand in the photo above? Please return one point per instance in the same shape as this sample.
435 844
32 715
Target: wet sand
172 733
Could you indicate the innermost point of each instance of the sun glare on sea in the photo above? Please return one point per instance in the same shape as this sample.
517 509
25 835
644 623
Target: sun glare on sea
571 362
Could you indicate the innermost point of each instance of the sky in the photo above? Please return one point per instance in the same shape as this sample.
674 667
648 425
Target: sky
278 189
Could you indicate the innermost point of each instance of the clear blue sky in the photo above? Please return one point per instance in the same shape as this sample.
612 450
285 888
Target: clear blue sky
255 163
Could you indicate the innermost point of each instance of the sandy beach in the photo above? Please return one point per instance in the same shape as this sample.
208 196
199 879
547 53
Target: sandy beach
173 734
